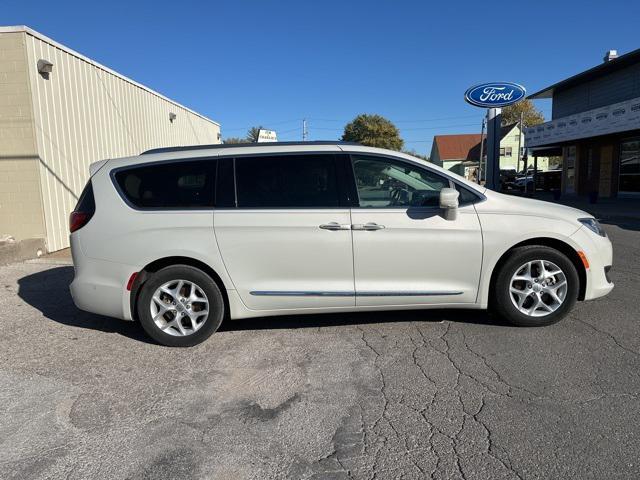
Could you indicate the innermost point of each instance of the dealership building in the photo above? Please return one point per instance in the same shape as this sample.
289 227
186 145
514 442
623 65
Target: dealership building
61 111
595 127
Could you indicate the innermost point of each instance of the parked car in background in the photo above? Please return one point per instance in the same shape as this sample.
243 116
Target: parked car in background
507 178
524 182
181 238
549 180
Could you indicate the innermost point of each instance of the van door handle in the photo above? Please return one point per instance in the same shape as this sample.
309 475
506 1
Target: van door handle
334 226
367 226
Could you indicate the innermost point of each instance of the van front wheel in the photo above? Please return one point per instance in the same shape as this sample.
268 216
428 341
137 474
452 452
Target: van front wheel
180 306
536 286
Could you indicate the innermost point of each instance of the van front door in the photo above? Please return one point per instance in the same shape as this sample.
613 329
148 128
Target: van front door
286 243
405 252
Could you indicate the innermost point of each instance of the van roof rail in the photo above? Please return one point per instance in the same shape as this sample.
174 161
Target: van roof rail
187 148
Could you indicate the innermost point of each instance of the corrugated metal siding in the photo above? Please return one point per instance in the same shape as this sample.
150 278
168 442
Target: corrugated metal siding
84 113
612 88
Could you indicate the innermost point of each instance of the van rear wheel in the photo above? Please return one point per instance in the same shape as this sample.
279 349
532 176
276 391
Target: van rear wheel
180 306
536 286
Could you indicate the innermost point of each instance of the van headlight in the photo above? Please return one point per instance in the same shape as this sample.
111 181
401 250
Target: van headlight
593 225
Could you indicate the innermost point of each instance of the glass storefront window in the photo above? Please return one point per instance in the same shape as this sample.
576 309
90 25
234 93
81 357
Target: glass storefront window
630 166
570 164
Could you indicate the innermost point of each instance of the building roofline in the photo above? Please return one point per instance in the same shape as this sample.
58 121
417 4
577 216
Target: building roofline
44 38
615 64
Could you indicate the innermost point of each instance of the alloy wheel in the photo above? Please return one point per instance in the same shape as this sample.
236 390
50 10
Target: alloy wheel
538 288
179 307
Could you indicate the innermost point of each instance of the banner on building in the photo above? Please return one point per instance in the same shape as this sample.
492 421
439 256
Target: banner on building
615 118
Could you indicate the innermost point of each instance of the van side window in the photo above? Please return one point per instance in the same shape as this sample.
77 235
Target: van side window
178 185
287 181
388 183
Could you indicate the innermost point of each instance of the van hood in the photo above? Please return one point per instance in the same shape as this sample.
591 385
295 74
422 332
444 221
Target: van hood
512 205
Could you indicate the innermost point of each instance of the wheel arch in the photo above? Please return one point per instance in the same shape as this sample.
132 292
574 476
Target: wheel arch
554 243
164 262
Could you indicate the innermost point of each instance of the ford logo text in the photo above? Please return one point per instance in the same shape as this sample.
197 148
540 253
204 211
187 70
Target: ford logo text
497 94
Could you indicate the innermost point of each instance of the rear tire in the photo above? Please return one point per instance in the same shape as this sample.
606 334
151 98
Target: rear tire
536 286
180 306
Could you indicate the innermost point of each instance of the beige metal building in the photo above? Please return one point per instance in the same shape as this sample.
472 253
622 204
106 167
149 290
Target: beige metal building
60 111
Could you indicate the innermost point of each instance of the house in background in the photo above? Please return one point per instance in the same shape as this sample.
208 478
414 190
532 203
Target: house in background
460 153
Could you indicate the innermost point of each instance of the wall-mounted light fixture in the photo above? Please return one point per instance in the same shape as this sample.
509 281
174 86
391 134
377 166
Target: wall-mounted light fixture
45 67
172 117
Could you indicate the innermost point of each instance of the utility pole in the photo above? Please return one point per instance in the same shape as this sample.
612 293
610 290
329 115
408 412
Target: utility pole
484 120
520 129
305 133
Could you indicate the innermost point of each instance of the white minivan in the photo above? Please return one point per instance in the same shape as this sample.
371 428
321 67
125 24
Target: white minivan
181 238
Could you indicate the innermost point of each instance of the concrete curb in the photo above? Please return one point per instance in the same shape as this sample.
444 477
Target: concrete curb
21 251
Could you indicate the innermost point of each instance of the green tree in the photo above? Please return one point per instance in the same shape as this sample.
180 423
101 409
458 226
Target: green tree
234 140
252 134
373 131
413 153
530 114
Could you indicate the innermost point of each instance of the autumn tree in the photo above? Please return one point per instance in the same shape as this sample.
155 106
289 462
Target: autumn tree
373 131
530 114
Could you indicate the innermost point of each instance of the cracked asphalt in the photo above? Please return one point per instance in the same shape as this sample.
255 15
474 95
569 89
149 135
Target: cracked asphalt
430 394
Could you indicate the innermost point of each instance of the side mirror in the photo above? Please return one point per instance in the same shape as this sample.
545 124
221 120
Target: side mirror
449 203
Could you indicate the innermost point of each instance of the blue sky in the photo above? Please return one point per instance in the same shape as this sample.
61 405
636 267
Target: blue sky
246 62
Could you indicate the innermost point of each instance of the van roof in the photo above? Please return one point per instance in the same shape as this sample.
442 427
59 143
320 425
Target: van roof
187 148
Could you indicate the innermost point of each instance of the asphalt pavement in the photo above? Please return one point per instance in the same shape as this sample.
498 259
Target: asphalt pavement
424 394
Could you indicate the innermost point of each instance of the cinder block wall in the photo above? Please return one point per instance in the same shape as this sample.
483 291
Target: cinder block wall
21 212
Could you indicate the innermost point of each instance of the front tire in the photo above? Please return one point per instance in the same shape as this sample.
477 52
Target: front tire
536 286
180 306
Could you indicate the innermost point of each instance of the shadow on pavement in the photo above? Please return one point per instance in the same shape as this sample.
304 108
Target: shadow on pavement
48 292
626 224
481 317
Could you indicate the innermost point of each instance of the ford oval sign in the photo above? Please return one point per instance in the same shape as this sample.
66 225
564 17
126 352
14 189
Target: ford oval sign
496 94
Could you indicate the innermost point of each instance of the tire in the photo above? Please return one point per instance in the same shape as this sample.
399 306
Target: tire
184 328
516 268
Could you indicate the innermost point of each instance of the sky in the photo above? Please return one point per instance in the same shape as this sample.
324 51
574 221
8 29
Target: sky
244 63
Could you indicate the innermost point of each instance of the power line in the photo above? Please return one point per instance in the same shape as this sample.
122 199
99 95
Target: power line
283 122
401 121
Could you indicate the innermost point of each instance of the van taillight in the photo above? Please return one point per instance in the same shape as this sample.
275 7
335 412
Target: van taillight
84 210
77 220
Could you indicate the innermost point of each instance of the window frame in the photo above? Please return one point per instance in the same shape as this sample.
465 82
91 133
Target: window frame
341 181
353 186
620 174
125 199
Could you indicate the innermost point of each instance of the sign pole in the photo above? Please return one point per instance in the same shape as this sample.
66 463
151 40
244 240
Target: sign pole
481 152
494 96
492 175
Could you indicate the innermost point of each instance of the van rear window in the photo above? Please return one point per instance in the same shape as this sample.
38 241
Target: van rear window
177 185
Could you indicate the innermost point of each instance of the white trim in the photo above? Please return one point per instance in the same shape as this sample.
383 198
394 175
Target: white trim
44 38
615 118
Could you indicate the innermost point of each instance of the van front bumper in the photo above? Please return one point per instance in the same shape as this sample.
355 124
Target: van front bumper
599 253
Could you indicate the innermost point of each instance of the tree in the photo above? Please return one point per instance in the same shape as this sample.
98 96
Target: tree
413 153
252 134
530 114
234 140
373 131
